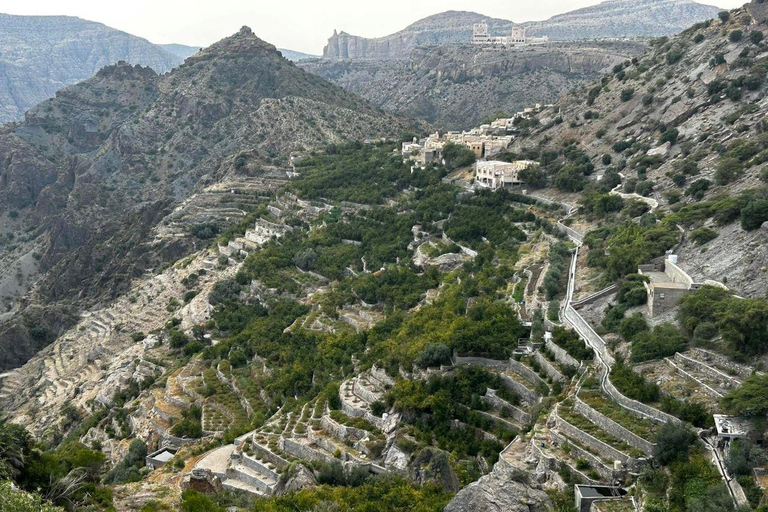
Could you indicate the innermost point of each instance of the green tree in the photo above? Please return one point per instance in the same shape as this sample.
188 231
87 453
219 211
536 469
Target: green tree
673 440
749 399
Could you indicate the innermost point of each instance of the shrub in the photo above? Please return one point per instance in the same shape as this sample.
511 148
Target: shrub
669 136
627 94
701 236
754 214
433 354
756 36
728 169
632 326
663 341
698 38
735 36
673 440
749 399
724 16
607 159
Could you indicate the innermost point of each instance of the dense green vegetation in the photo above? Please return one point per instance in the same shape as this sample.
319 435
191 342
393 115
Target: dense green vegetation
742 323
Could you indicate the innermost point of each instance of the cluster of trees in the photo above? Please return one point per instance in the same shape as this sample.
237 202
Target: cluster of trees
570 341
69 476
621 249
742 323
558 263
430 406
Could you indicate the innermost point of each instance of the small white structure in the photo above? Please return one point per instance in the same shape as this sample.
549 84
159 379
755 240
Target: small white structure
730 427
495 174
481 37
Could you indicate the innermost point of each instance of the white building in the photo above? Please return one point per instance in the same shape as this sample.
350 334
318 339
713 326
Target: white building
495 174
481 37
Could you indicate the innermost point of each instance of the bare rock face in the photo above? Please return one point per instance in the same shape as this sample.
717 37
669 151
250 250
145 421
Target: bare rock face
431 465
614 18
457 86
502 490
42 54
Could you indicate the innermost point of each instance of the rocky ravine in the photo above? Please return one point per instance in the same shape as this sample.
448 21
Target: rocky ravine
455 87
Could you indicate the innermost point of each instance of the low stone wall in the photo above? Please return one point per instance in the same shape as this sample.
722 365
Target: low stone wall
636 407
605 450
708 370
549 370
380 376
265 452
578 452
526 394
613 428
570 232
704 387
561 356
525 372
361 391
303 452
170 441
741 372
342 432
480 361
499 421
597 295
259 466
515 413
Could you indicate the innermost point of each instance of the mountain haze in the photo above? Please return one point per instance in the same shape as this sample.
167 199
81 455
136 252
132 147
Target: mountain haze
42 54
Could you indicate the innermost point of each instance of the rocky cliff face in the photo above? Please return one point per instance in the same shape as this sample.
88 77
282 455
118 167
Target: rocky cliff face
451 27
623 18
89 174
611 19
42 54
457 86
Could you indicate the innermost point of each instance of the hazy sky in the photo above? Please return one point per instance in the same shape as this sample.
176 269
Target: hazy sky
302 25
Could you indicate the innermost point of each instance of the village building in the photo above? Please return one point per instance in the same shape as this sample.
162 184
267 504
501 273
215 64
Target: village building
481 37
667 284
587 495
494 174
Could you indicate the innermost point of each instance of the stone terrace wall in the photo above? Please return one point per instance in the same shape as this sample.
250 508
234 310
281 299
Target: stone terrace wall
515 413
591 298
551 372
578 452
636 407
524 371
743 372
613 428
480 361
526 394
561 356
303 452
265 452
605 450
259 466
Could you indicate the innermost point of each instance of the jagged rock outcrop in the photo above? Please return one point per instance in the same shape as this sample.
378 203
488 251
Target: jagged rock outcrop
42 54
505 489
457 86
451 27
611 19
92 172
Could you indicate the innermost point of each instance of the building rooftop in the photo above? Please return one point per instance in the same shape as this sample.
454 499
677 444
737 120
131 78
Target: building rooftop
731 426
661 279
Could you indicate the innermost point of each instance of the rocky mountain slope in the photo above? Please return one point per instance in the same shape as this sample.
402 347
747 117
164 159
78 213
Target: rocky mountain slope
455 87
683 124
624 18
450 27
90 174
180 50
610 19
42 54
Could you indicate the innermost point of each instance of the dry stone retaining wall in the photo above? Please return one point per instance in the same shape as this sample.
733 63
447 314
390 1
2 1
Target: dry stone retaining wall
636 407
613 428
551 372
605 450
515 413
265 452
524 371
526 394
561 356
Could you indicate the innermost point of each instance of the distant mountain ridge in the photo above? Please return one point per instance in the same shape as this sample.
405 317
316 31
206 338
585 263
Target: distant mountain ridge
610 19
42 54
181 50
